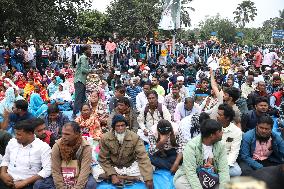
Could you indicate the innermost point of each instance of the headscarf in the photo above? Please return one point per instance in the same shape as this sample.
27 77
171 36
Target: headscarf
8 101
35 101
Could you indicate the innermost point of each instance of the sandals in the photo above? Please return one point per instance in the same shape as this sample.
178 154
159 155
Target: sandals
119 185
125 183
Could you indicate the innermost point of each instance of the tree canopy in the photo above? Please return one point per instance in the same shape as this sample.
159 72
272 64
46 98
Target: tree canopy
40 18
245 12
226 29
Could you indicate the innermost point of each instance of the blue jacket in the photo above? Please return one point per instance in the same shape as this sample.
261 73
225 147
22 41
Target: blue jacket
248 147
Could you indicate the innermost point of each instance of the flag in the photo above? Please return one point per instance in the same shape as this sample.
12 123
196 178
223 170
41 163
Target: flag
170 19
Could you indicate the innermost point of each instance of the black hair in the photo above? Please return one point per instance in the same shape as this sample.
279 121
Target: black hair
204 79
53 108
233 92
84 48
123 100
25 125
209 127
152 92
147 83
261 99
22 104
118 118
228 111
75 126
266 119
203 116
165 127
85 104
120 88
175 86
276 78
37 122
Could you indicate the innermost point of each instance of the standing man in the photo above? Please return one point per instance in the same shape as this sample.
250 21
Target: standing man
81 73
110 48
257 58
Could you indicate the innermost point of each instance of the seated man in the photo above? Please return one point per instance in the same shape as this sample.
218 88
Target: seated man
232 136
42 133
189 127
26 161
123 157
203 151
151 114
186 108
165 146
5 137
261 147
123 108
250 118
72 155
20 113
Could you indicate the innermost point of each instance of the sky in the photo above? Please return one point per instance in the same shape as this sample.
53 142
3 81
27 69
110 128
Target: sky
266 9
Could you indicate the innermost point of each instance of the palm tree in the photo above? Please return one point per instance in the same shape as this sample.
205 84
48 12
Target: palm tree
280 22
245 12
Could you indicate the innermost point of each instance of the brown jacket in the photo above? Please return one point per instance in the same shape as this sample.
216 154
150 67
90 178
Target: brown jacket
114 155
85 161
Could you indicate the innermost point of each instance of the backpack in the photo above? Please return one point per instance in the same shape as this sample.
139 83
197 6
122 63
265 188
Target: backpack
147 110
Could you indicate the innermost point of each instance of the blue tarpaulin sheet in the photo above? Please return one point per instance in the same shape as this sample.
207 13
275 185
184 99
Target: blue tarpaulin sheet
162 180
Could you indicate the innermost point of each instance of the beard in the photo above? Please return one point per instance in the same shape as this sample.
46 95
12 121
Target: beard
262 138
120 137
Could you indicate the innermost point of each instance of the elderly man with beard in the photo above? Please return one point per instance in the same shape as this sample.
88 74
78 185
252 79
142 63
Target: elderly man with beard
123 158
261 147
123 107
71 160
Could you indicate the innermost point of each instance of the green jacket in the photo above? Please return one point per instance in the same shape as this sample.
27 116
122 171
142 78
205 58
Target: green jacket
193 158
82 69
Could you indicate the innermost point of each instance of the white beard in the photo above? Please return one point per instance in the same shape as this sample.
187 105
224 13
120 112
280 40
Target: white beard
120 137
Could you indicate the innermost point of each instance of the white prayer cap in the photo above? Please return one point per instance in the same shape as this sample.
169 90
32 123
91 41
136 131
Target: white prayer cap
130 70
117 73
180 78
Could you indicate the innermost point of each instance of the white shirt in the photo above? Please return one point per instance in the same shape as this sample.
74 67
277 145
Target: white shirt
181 112
152 119
232 137
141 101
269 58
207 152
69 53
184 128
25 162
31 52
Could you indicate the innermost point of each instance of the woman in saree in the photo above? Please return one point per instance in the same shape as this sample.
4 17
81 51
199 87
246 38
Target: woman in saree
99 108
37 106
29 88
89 123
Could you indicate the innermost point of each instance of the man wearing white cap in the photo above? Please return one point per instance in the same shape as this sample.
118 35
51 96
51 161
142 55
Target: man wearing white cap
183 90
